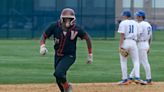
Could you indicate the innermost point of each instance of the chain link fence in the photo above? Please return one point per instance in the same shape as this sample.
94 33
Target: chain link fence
28 18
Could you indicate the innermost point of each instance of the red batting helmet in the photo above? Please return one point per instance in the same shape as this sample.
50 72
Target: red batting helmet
68 13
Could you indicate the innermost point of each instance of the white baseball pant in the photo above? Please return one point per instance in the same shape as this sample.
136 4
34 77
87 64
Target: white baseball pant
143 58
131 46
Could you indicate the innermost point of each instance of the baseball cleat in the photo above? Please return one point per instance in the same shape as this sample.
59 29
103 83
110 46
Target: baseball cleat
138 81
147 82
67 87
124 82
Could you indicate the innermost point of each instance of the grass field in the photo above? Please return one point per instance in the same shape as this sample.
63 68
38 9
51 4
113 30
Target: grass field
21 63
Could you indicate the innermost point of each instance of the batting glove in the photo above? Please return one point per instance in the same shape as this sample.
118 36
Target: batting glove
43 49
90 58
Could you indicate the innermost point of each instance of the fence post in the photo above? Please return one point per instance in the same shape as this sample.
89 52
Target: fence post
32 16
8 17
106 21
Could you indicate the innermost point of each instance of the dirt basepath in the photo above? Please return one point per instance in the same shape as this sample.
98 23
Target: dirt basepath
84 87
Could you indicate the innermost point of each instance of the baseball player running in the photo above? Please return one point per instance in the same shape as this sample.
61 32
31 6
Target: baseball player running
65 33
144 41
128 30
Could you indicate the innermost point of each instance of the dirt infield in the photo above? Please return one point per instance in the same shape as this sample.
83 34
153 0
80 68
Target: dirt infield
84 87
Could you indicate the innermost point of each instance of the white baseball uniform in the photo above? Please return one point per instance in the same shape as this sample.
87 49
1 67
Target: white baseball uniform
130 29
143 47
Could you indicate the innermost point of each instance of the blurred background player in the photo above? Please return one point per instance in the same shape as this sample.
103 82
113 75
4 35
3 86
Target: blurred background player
65 33
144 41
128 30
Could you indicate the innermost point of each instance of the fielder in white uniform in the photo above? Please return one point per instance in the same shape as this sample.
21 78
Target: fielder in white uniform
129 29
144 41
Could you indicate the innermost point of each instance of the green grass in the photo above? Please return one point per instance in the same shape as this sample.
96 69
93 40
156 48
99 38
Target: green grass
20 62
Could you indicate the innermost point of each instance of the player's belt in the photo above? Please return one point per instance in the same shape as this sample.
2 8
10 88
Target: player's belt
129 39
142 41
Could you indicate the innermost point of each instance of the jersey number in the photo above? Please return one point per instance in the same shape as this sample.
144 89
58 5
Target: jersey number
131 29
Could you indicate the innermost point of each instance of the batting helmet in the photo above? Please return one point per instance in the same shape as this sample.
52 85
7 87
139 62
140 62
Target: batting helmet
140 13
71 15
126 13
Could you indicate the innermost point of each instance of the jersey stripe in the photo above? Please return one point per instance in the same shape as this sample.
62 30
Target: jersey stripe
63 41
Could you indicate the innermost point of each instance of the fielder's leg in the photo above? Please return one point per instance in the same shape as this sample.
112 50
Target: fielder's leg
145 63
123 61
135 60
132 75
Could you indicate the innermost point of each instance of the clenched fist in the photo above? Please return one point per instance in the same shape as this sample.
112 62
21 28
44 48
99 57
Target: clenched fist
90 58
43 49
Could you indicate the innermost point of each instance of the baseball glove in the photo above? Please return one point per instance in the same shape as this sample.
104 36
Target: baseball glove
123 52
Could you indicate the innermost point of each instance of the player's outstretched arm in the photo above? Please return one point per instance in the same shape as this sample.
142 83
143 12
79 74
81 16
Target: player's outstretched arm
89 45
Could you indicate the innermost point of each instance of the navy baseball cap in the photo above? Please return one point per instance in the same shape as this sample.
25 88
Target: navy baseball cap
126 13
140 13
